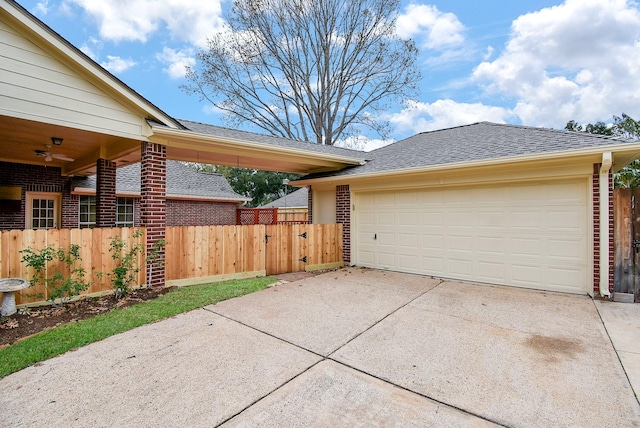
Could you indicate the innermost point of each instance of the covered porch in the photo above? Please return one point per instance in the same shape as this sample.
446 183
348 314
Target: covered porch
62 115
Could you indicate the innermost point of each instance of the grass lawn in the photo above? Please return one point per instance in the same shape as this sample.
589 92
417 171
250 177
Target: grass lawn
66 337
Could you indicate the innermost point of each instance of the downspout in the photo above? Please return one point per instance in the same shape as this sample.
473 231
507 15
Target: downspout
605 168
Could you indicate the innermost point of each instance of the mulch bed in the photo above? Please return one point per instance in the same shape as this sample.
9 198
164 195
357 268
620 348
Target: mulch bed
29 321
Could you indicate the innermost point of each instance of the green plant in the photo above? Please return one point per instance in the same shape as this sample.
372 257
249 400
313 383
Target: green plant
58 286
126 257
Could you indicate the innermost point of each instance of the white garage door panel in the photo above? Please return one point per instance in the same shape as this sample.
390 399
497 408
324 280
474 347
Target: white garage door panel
530 234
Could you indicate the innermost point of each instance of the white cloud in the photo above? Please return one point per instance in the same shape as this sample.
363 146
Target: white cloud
420 117
41 8
577 60
91 48
88 51
431 28
177 61
189 21
488 53
115 64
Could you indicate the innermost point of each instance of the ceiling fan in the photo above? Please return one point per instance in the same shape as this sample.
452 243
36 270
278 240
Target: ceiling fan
48 156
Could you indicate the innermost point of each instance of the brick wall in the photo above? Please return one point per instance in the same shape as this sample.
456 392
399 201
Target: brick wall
36 178
105 193
310 205
152 202
343 216
200 213
70 210
596 230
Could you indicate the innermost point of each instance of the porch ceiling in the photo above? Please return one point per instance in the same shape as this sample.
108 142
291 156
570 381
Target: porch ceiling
20 138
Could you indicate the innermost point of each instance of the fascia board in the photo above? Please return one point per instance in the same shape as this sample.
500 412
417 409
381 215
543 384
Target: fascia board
593 151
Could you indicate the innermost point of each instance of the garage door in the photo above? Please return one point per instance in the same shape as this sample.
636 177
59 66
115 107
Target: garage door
532 235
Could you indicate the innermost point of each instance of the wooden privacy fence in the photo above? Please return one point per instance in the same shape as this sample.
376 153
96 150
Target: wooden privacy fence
211 251
193 254
94 252
293 215
207 252
626 238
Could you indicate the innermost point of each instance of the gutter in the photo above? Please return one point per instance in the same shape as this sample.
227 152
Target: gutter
605 168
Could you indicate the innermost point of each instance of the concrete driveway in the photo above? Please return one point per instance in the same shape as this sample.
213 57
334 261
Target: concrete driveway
354 347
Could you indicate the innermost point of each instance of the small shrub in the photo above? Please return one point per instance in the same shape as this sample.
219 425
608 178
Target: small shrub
123 276
58 286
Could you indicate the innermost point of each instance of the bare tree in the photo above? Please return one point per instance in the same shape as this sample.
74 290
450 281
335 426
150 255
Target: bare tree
311 70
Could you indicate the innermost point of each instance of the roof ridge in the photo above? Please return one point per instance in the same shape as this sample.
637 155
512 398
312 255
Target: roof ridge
432 131
509 125
561 131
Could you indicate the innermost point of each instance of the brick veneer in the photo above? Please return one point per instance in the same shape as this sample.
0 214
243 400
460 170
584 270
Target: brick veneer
153 179
36 178
105 193
596 230
200 213
343 216
310 205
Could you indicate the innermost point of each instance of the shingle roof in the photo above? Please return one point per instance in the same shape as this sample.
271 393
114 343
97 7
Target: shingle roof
296 199
475 142
218 131
181 181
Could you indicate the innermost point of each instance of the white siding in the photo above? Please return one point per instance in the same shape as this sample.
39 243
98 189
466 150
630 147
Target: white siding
36 86
324 207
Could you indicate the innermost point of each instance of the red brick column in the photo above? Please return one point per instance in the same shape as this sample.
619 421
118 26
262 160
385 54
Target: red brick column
310 206
153 213
70 209
343 216
106 193
596 230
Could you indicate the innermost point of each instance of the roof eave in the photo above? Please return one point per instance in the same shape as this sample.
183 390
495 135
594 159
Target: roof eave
161 134
623 155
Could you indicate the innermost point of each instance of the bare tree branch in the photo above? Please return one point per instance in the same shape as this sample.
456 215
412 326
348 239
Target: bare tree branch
318 70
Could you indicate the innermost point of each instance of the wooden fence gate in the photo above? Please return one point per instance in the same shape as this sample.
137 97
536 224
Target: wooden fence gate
626 276
291 247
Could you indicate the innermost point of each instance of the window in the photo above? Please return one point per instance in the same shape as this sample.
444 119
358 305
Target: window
43 210
124 212
87 211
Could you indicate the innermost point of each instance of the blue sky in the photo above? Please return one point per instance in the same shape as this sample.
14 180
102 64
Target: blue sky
530 62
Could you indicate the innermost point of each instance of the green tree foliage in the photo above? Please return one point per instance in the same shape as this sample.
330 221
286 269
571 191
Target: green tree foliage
314 71
261 186
624 127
